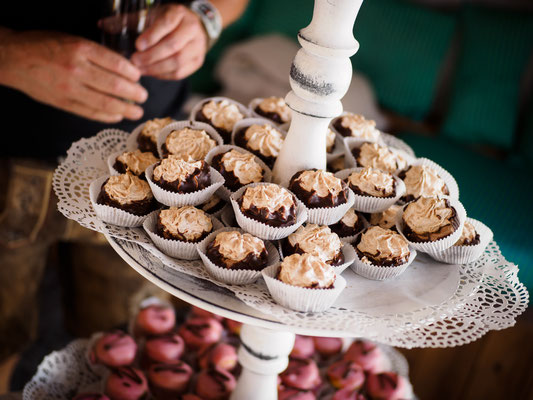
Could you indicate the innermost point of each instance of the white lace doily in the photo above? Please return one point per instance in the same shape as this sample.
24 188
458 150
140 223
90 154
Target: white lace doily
485 295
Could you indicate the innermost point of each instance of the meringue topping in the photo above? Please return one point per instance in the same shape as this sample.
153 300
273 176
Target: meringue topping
265 139
127 188
421 180
320 181
383 244
243 165
269 196
152 127
376 156
276 105
319 241
429 214
189 144
235 246
306 270
387 218
468 236
222 114
330 140
373 181
136 161
360 127
174 169
350 218
188 221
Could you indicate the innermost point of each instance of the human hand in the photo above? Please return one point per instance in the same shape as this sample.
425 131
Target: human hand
174 45
73 74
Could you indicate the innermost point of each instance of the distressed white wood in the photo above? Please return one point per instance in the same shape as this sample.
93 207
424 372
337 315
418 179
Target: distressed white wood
320 76
263 354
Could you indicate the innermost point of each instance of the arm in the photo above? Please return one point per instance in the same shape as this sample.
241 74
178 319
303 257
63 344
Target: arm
175 44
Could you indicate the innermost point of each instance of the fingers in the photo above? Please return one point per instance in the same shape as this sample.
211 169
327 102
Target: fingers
114 62
83 110
115 85
108 104
183 71
163 24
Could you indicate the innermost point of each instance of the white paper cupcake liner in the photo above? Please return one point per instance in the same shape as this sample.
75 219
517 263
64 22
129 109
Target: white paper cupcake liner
298 298
372 204
396 143
330 215
351 238
378 273
131 142
337 151
260 229
253 114
198 106
228 275
228 216
245 123
351 143
112 215
175 248
448 179
223 191
195 198
469 253
441 244
178 125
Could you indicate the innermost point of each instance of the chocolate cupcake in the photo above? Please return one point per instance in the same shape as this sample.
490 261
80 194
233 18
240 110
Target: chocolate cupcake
380 157
355 125
382 247
238 168
336 165
180 176
187 224
372 182
127 192
306 271
188 144
387 218
319 241
422 180
147 139
318 188
134 161
236 250
221 115
429 219
330 141
351 224
270 204
274 109
213 205
469 236
264 141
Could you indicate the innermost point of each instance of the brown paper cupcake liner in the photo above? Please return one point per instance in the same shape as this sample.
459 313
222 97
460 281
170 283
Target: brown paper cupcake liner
228 275
176 126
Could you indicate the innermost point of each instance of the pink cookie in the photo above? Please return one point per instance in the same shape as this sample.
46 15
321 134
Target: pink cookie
168 381
346 374
301 374
221 355
201 332
90 396
327 347
367 355
126 383
304 347
348 394
387 386
114 349
155 319
166 348
215 384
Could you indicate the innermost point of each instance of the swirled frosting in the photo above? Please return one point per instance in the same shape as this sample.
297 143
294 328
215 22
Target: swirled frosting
235 246
373 181
376 156
243 165
152 127
276 105
188 221
127 188
350 218
269 196
330 140
360 127
306 270
429 214
320 181
317 240
383 244
222 114
468 236
174 169
265 139
387 218
421 180
136 161
189 144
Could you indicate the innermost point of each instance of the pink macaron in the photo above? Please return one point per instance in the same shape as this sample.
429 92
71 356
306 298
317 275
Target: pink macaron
113 349
220 355
168 381
215 384
200 332
301 374
126 383
156 319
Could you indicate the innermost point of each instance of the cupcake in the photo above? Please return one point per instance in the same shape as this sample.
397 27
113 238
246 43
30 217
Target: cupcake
330 141
274 109
422 180
221 114
346 374
187 224
147 138
166 348
215 384
369 356
306 271
155 319
214 205
199 333
380 157
135 162
318 188
238 168
388 386
264 141
113 349
336 165
372 182
349 225
235 250
387 218
469 236
218 355
169 381
175 175
188 144
302 374
127 192
319 241
126 383
355 125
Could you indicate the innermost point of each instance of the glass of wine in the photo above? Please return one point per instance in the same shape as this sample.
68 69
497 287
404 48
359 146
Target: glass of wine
123 21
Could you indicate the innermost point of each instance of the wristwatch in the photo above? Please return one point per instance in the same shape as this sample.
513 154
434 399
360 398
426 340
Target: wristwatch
210 17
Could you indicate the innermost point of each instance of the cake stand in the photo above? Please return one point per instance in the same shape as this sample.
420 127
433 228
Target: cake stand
430 305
